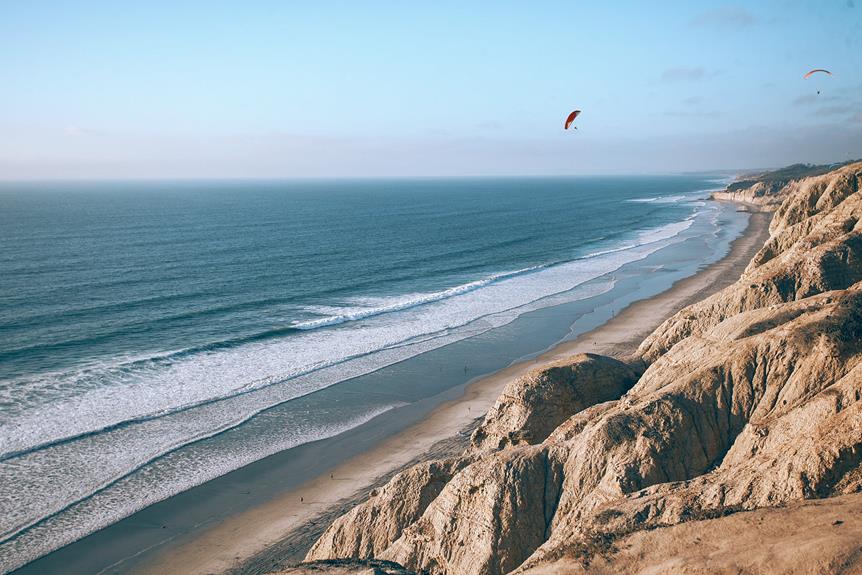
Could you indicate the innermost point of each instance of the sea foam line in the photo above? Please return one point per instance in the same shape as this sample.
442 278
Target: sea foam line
422 299
416 300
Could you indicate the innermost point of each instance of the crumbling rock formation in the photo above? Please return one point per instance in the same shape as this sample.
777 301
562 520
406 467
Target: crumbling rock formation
815 246
530 408
347 567
368 529
764 194
812 536
488 519
764 409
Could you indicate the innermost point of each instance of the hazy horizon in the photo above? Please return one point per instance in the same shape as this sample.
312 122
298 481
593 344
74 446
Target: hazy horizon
718 172
317 90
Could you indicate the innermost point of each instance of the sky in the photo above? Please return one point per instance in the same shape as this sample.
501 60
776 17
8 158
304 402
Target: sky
283 89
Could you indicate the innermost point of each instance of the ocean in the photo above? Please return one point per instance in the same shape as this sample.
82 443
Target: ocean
155 335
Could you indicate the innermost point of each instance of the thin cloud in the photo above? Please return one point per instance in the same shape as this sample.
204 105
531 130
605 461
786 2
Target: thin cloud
75 130
692 100
682 74
725 17
856 118
833 111
853 90
690 114
808 99
489 125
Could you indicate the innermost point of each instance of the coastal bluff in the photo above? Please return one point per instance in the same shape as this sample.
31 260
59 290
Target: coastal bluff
731 441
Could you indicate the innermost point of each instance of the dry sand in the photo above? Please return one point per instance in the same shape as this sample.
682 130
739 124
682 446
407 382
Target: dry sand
279 531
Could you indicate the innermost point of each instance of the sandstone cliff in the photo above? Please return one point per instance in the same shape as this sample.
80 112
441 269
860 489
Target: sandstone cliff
530 408
761 194
368 529
815 246
813 536
751 399
347 567
767 189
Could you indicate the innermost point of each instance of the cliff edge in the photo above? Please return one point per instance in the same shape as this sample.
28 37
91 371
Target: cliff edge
733 436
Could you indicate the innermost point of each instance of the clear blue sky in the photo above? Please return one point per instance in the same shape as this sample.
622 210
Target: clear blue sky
320 88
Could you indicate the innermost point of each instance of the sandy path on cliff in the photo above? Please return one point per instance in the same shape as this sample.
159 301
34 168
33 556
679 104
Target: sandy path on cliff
280 531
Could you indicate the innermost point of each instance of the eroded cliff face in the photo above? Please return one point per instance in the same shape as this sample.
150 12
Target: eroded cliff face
751 399
769 189
815 246
757 194
347 567
764 409
812 537
530 408
368 529
489 518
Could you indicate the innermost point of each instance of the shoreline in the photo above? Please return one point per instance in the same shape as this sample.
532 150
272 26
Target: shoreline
279 530
196 524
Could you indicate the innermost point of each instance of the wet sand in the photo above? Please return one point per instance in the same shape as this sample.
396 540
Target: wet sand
284 520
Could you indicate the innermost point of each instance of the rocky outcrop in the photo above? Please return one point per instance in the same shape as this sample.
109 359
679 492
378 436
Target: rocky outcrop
488 519
751 399
764 409
808 204
819 537
347 567
768 190
531 407
763 194
368 529
815 246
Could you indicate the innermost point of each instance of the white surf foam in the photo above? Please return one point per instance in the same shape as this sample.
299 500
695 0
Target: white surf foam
130 493
399 303
657 200
642 200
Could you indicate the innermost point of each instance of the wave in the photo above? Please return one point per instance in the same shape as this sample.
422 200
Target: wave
670 199
658 200
400 303
409 301
33 544
642 200
648 237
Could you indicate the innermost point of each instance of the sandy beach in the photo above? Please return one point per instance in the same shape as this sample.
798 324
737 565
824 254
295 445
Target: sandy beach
279 530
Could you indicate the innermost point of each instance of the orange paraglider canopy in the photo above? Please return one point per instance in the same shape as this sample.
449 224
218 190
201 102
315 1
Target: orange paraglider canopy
571 118
817 70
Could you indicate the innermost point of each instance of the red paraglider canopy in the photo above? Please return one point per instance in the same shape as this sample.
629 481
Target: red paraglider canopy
817 70
571 118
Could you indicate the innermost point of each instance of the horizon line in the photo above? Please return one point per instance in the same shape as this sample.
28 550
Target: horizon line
98 179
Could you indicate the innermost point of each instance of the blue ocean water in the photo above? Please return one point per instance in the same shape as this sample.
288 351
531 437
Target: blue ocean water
138 319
